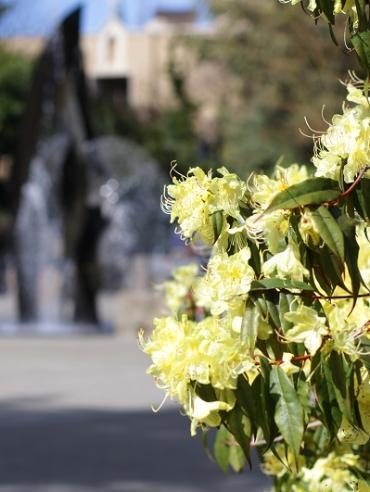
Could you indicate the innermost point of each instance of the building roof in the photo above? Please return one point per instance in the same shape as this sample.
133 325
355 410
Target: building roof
38 18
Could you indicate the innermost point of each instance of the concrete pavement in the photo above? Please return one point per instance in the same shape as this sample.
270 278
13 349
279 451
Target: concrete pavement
75 416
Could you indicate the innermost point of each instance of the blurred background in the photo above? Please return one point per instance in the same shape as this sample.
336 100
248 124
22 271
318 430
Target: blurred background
97 97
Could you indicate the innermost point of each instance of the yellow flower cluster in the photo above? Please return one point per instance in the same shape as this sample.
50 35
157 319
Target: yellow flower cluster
185 353
194 199
328 474
227 278
334 472
272 227
346 142
285 265
178 290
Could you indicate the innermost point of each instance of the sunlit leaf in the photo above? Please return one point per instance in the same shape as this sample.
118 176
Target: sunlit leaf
313 191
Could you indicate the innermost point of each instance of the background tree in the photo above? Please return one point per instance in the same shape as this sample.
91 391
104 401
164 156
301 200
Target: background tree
14 83
282 69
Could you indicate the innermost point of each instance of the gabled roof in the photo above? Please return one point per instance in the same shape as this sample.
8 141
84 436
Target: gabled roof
38 18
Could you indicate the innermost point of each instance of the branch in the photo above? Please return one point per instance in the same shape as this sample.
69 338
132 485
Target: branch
349 190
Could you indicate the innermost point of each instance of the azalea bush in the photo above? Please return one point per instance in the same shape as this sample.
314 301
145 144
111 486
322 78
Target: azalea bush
269 343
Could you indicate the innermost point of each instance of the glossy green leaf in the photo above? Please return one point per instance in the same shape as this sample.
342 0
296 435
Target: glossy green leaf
236 458
240 426
246 399
265 404
222 448
249 327
361 43
273 310
331 269
313 191
289 416
205 442
217 222
329 230
351 255
284 307
279 283
330 413
327 7
336 376
364 198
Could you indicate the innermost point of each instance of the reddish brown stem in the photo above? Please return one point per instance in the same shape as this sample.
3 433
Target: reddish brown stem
349 190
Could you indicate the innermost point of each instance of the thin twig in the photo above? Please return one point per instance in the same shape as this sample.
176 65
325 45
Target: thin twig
350 189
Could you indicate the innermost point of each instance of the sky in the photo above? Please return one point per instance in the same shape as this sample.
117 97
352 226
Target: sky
39 17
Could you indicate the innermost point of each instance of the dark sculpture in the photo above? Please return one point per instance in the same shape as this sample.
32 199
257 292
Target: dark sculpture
58 108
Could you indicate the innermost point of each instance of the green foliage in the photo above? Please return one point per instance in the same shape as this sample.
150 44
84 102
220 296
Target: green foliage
280 333
277 61
309 192
14 81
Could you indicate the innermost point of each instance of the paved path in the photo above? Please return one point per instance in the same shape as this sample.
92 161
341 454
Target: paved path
75 417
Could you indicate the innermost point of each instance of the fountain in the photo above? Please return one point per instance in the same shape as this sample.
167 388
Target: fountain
81 206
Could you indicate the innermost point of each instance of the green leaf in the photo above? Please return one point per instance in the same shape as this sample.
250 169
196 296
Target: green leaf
327 7
205 391
284 307
279 283
265 404
289 416
222 448
329 230
217 222
205 442
255 260
363 195
338 372
361 43
331 269
272 302
361 14
303 393
326 399
240 426
351 255
312 191
236 458
246 399
249 327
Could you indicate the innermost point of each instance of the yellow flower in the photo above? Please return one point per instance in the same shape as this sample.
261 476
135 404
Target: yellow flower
184 352
227 277
207 412
287 365
347 324
333 473
346 140
308 230
188 201
272 227
285 265
263 189
177 290
309 328
193 199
